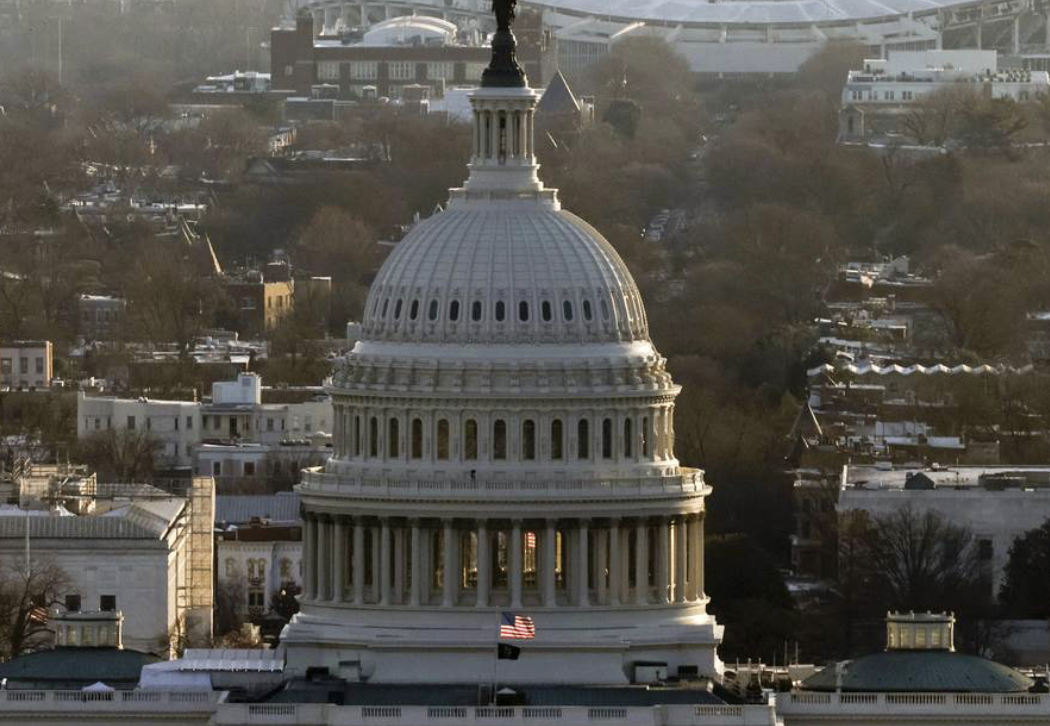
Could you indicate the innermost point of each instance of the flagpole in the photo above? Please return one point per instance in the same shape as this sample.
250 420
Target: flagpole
495 663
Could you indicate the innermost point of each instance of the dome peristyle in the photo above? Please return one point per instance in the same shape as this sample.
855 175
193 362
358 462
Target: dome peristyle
525 275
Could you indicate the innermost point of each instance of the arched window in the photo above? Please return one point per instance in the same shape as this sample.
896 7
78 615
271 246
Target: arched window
453 311
583 439
442 447
557 440
646 446
628 443
373 437
566 311
417 438
357 435
523 311
433 312
606 438
499 440
528 440
475 311
392 444
545 311
470 439
414 310
501 311
397 309
587 313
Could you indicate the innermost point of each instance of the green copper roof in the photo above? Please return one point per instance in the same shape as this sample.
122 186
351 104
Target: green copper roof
76 667
929 671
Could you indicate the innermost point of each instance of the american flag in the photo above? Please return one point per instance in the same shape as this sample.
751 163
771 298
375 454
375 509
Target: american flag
39 614
516 626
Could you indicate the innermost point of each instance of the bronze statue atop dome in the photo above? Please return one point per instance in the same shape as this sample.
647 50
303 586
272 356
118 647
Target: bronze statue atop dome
503 70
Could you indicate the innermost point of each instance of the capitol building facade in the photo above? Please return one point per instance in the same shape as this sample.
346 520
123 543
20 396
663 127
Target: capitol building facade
504 442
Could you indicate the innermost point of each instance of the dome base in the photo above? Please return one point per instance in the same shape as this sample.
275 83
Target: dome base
593 647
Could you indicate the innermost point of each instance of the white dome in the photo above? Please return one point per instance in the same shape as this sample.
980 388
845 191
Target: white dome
514 274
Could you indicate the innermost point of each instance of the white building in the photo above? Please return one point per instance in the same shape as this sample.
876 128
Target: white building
140 551
258 546
997 504
235 420
26 364
907 76
503 442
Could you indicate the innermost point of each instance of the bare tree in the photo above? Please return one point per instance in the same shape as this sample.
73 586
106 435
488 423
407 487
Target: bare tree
120 454
25 598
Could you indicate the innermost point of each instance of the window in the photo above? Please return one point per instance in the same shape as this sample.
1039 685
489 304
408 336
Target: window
363 70
401 71
328 71
442 447
545 311
414 313
357 435
856 95
907 95
256 599
889 95
935 637
397 309
920 637
189 423
248 468
373 437
985 550
528 440
475 311
216 468
40 366
440 69
557 439
523 311
583 435
107 603
269 424
417 438
501 311
5 365
587 313
23 365
433 312
73 603
470 439
628 444
87 635
499 440
453 311
566 311
131 423
393 450
98 423
607 438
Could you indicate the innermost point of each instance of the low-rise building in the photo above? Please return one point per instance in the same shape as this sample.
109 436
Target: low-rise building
997 504
101 317
138 549
26 364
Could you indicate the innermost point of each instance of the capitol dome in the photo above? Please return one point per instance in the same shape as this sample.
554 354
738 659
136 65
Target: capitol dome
526 275
503 441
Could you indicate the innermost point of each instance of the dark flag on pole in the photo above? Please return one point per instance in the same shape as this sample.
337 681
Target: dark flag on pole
506 651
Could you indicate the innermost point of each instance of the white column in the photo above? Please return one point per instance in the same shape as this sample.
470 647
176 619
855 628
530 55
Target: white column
359 561
376 564
515 564
417 571
549 544
663 562
641 562
399 566
384 561
601 565
698 562
309 556
324 563
681 543
484 564
615 563
583 598
448 596
339 552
